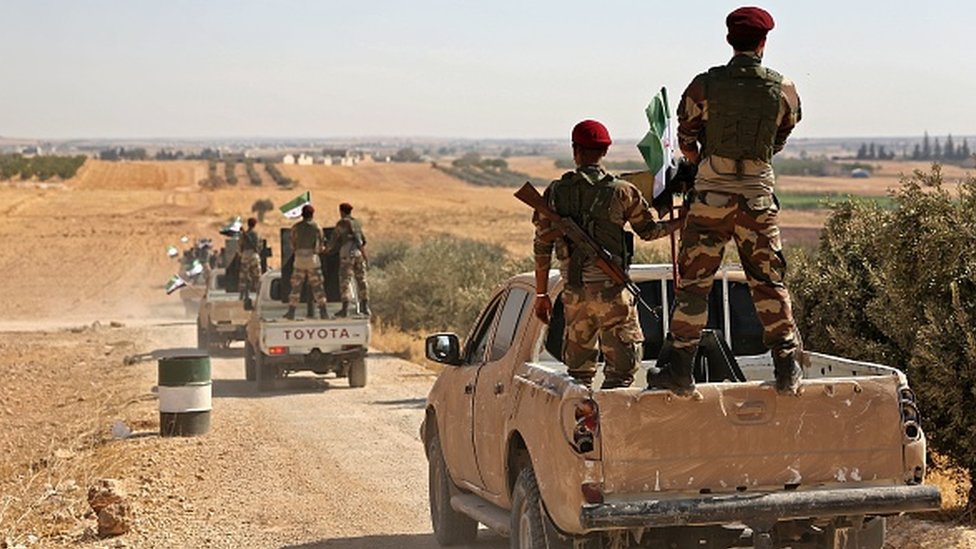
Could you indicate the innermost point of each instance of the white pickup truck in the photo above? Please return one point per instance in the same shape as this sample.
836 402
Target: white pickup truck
221 318
276 347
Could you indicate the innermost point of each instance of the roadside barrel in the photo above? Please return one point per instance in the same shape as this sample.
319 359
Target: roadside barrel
184 394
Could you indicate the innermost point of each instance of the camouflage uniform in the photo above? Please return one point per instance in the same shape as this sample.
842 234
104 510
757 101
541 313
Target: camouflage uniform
733 197
599 313
349 238
307 242
250 273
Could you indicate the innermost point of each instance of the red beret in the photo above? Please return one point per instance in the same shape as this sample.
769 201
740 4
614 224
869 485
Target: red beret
252 221
749 23
591 134
308 209
345 207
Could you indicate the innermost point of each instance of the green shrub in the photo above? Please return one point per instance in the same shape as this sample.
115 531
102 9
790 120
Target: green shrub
898 286
439 284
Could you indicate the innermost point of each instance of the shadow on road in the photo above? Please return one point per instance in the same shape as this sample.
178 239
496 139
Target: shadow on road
239 388
404 403
486 540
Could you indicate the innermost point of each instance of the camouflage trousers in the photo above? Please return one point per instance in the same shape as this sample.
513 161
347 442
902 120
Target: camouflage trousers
713 219
315 282
353 267
601 317
250 272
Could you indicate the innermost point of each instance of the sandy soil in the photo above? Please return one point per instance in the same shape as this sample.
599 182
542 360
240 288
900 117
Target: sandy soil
314 464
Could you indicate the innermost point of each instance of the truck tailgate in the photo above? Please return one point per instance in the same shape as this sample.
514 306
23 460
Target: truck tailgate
744 436
315 333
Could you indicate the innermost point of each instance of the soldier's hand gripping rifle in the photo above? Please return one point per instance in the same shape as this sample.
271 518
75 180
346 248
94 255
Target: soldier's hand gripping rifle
582 241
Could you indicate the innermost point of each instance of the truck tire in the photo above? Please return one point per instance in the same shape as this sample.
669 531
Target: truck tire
450 527
357 373
530 525
250 370
203 337
263 371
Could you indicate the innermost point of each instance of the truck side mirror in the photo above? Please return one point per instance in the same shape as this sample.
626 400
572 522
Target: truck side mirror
444 349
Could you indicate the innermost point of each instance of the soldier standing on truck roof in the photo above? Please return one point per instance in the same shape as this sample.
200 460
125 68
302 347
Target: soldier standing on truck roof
250 273
353 261
600 314
306 240
732 120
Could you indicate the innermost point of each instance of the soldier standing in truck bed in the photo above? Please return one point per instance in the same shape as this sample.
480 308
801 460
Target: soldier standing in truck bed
250 273
306 241
353 261
732 120
600 314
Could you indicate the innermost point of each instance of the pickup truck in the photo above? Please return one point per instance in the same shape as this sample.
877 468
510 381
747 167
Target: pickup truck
276 347
221 317
514 443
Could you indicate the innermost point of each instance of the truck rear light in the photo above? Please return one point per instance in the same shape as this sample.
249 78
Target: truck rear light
277 350
910 416
592 492
587 426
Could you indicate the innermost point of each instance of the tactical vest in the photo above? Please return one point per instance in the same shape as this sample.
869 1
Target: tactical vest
250 241
307 235
355 235
743 104
588 205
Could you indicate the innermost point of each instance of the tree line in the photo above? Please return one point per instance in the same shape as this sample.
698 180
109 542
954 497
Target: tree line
42 167
944 151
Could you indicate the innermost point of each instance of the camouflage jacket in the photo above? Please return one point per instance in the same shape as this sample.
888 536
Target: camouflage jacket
348 236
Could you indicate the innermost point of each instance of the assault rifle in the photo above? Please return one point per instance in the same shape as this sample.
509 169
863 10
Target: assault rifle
582 241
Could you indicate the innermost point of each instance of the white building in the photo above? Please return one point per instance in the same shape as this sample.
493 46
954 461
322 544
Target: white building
304 160
288 159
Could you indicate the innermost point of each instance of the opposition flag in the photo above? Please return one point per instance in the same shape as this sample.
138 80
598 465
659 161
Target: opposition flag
195 269
184 239
294 207
175 283
172 251
657 147
233 227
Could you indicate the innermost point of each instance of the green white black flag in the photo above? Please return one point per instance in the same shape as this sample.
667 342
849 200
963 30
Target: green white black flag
294 207
657 147
174 283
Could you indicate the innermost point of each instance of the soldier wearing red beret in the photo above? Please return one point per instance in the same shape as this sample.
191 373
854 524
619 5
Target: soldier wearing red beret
348 238
599 313
732 119
306 241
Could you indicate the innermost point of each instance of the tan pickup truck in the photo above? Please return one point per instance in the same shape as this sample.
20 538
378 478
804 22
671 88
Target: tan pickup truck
221 317
513 443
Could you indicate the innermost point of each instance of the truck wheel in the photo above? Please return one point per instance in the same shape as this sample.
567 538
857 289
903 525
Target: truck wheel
450 527
263 372
250 371
357 373
531 528
203 337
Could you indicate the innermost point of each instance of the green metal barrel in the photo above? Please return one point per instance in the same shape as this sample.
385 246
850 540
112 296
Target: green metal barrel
184 394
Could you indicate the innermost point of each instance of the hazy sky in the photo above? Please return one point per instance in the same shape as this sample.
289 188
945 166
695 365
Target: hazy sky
459 68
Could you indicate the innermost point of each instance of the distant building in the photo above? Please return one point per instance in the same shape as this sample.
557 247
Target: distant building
288 159
860 173
303 160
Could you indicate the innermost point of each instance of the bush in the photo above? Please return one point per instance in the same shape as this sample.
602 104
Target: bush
252 174
43 167
898 287
229 174
261 208
440 284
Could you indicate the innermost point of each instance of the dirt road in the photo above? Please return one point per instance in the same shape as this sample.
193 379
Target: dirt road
311 464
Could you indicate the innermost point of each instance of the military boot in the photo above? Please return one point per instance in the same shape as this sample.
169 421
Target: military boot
248 304
324 313
788 374
673 372
344 311
290 315
364 307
